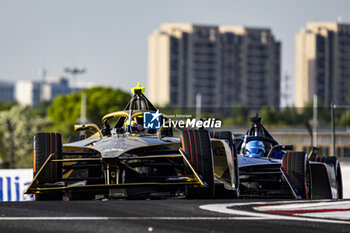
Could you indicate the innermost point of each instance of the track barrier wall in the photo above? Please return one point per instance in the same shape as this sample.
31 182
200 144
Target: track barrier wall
345 169
13 183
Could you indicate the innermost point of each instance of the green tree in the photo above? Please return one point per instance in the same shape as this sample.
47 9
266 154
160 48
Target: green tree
290 116
102 100
6 106
18 126
42 108
270 115
240 115
345 119
65 110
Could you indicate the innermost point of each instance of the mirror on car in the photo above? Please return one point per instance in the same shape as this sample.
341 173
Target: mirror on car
278 148
90 127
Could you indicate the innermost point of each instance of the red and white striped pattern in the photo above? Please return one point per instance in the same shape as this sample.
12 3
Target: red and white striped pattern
329 210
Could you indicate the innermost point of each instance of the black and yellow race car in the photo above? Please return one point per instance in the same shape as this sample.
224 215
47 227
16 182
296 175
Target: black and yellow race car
128 160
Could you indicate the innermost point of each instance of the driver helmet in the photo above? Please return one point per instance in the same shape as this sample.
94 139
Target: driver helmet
255 149
136 123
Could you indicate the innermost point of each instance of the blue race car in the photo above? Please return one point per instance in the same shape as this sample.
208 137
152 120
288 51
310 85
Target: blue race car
268 169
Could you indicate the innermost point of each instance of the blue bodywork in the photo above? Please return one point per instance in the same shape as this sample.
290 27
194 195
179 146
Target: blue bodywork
244 161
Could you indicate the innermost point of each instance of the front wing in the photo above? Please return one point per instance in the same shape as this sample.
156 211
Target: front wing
111 175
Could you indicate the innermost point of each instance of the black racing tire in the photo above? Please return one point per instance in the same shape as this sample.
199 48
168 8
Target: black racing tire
44 145
296 167
227 135
197 147
76 138
332 160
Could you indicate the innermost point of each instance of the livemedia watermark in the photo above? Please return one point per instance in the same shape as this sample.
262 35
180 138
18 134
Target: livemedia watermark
154 120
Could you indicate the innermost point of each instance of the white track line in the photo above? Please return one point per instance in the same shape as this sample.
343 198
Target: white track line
228 209
337 210
304 206
341 215
121 218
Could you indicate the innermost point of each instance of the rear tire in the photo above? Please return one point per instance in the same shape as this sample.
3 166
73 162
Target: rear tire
197 147
44 145
297 169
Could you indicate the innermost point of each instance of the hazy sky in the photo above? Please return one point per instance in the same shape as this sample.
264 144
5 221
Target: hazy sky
109 38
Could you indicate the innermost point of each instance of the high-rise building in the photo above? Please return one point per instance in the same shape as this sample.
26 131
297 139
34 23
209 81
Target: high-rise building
31 92
28 92
323 63
54 86
7 92
225 64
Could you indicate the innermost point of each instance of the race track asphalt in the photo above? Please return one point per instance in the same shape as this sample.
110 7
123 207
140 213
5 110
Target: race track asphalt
175 215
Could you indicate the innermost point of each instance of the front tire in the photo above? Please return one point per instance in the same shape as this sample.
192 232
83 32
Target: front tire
46 144
197 147
296 166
